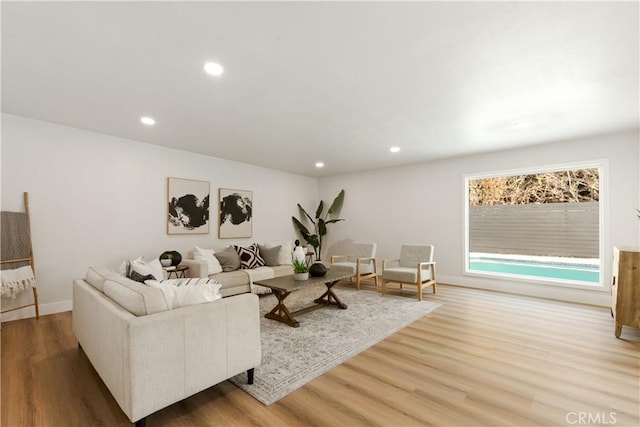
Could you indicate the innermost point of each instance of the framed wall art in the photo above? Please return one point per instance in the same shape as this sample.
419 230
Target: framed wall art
188 203
236 213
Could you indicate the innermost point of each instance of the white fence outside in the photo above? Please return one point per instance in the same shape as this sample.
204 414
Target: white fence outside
550 229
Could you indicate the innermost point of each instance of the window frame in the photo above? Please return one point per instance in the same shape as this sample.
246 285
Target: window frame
602 166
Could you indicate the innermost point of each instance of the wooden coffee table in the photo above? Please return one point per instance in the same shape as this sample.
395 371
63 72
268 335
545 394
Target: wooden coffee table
283 286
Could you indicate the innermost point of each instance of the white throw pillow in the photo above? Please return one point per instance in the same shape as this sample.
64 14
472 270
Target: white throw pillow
156 267
125 267
183 292
153 268
207 255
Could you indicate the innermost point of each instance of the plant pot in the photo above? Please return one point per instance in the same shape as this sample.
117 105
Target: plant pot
166 262
174 256
317 269
300 276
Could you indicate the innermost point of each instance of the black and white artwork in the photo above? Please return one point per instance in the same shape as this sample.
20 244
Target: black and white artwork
236 213
188 202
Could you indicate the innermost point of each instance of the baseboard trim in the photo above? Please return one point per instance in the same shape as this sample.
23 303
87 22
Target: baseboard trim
27 312
580 296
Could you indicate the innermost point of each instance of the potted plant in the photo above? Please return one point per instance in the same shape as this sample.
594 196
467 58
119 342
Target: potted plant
319 224
300 270
166 259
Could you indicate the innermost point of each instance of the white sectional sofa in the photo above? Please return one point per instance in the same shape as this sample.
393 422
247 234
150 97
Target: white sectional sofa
150 356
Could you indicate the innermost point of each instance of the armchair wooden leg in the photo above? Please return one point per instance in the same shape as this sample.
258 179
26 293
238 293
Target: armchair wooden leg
358 282
383 289
433 270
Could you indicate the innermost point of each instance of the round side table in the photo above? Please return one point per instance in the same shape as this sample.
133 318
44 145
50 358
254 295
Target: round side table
178 271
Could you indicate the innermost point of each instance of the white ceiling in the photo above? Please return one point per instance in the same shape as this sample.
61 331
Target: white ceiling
326 81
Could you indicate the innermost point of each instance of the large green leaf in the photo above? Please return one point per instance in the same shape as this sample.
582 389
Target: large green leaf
322 228
337 203
305 212
333 220
319 210
313 240
303 230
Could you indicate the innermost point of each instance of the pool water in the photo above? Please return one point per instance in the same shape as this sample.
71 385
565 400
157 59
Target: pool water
581 273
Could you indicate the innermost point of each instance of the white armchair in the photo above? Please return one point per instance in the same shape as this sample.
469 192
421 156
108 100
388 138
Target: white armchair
414 267
361 261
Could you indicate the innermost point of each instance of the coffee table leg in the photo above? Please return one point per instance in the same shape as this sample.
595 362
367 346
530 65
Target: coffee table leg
330 298
280 312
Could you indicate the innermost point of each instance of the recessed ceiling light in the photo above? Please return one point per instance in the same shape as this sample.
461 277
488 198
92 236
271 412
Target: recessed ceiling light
394 149
319 164
213 68
147 121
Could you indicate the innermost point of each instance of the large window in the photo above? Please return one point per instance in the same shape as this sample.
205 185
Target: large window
539 224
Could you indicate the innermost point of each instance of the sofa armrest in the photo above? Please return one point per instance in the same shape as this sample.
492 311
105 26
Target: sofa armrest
180 352
197 269
150 362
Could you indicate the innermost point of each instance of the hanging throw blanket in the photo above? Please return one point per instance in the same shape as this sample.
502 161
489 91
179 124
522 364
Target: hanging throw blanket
16 280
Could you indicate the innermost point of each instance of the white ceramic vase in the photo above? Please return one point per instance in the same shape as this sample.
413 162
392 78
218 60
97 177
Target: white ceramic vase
300 276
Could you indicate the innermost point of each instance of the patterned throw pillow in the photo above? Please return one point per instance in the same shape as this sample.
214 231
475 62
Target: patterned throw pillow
140 278
249 257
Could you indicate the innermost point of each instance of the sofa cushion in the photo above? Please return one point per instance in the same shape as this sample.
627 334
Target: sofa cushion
135 297
229 259
271 256
282 270
231 278
96 276
207 255
184 292
249 256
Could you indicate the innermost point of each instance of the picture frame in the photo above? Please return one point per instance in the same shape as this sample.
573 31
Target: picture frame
235 213
187 206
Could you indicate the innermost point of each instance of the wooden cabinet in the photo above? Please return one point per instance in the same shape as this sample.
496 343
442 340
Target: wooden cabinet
625 288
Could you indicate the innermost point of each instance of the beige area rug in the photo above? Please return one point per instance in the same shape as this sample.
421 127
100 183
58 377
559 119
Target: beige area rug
327 337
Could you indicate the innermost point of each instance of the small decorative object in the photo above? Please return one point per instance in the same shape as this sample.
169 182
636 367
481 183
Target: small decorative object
300 270
166 258
320 223
236 212
174 258
188 206
298 252
317 269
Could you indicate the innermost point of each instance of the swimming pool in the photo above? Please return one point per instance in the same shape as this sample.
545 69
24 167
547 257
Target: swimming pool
569 269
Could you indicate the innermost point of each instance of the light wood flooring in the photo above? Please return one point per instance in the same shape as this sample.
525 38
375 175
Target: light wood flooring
483 358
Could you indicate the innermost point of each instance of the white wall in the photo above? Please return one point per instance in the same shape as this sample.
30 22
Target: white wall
96 199
424 203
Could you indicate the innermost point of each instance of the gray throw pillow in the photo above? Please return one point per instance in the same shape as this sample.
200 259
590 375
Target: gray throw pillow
270 255
229 259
